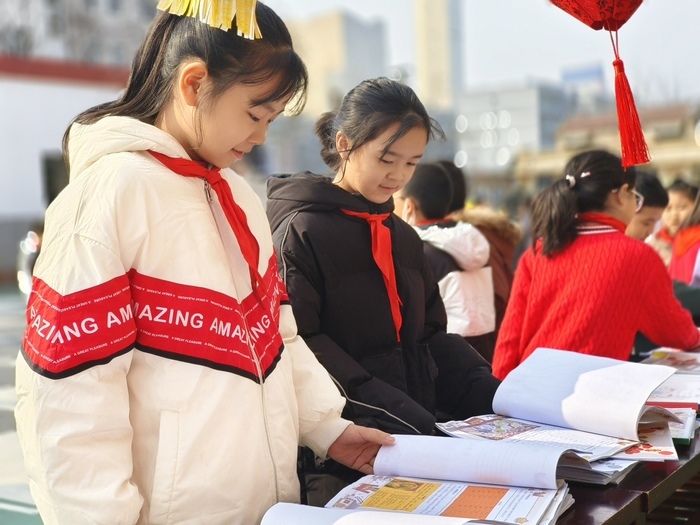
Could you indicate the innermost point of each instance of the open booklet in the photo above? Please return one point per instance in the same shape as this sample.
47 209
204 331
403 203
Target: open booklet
682 389
683 362
582 392
403 500
592 405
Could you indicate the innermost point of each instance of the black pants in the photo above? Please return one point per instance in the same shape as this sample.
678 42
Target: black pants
320 480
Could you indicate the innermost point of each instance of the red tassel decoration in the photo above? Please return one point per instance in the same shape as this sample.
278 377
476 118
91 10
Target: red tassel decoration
632 144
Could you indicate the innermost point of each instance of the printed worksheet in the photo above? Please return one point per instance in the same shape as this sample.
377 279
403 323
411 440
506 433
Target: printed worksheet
506 429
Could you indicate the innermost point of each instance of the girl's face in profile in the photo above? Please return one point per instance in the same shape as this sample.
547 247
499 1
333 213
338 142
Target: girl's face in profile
678 210
377 175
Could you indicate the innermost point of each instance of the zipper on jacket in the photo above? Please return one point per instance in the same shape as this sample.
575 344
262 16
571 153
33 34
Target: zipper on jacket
207 190
258 368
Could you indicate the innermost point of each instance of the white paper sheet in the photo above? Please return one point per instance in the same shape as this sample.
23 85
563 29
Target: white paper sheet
584 392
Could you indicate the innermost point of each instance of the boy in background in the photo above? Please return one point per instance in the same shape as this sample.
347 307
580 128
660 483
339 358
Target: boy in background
457 253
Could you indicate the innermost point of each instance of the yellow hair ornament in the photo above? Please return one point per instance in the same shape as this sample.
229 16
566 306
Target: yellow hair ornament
218 13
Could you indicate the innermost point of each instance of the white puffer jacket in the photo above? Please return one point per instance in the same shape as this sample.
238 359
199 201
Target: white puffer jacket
152 386
468 291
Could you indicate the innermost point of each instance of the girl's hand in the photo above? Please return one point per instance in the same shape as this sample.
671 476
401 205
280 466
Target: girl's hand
357 447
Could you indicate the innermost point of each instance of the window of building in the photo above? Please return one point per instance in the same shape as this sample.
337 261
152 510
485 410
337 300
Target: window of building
54 174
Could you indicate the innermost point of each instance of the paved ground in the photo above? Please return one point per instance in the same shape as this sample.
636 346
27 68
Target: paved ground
15 502
11 329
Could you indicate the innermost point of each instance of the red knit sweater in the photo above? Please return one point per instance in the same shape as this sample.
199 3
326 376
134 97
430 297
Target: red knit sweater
593 297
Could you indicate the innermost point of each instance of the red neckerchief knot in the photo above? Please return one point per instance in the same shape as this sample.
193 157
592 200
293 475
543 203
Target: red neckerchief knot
381 251
234 214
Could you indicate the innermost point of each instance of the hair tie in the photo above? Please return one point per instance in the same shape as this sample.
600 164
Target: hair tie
571 180
585 174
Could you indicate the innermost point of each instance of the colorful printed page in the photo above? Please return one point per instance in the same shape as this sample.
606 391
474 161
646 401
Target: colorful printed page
655 444
519 464
683 362
448 499
500 428
677 389
584 392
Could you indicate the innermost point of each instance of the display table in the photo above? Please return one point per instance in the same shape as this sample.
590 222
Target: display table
646 489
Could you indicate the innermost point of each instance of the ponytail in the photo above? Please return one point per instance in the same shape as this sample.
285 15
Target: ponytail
554 217
590 177
325 132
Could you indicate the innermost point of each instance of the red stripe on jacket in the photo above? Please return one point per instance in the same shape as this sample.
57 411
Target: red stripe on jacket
67 334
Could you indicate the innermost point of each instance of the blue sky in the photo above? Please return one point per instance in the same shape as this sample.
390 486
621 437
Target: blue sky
508 41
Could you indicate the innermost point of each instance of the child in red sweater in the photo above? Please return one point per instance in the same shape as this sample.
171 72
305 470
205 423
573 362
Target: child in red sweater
584 286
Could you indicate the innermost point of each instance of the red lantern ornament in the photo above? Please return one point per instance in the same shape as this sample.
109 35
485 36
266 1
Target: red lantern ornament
611 15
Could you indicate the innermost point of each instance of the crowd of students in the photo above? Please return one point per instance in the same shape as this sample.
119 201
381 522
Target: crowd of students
181 343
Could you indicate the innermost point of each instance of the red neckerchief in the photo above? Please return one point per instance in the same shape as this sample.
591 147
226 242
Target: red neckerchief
381 251
685 240
663 235
602 218
234 214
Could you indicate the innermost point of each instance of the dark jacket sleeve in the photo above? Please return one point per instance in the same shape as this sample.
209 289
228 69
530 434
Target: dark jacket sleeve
465 385
370 401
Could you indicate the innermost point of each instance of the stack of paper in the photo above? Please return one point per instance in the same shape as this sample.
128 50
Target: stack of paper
682 389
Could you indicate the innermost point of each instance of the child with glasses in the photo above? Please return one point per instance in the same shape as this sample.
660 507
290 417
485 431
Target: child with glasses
585 286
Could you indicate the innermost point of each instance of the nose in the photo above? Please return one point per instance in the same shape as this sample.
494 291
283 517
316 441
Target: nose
401 173
258 136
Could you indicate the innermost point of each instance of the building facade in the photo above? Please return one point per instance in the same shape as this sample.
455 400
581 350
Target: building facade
439 53
94 31
339 50
672 133
496 126
38 99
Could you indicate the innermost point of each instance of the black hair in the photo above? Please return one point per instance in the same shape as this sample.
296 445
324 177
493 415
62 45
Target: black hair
230 59
367 111
431 189
589 178
459 185
681 186
694 217
649 186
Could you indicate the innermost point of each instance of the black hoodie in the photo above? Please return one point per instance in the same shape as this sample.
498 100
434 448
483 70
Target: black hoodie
343 312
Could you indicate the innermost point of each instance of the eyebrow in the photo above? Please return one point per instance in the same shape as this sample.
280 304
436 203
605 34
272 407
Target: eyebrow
269 107
396 155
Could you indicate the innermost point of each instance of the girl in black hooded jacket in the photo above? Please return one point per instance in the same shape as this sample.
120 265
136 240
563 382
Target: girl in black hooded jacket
362 293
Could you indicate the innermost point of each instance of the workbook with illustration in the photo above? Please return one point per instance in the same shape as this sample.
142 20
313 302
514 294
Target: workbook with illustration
397 500
593 405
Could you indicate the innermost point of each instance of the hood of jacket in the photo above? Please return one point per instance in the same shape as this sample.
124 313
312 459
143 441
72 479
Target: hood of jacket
88 143
506 230
308 191
462 241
